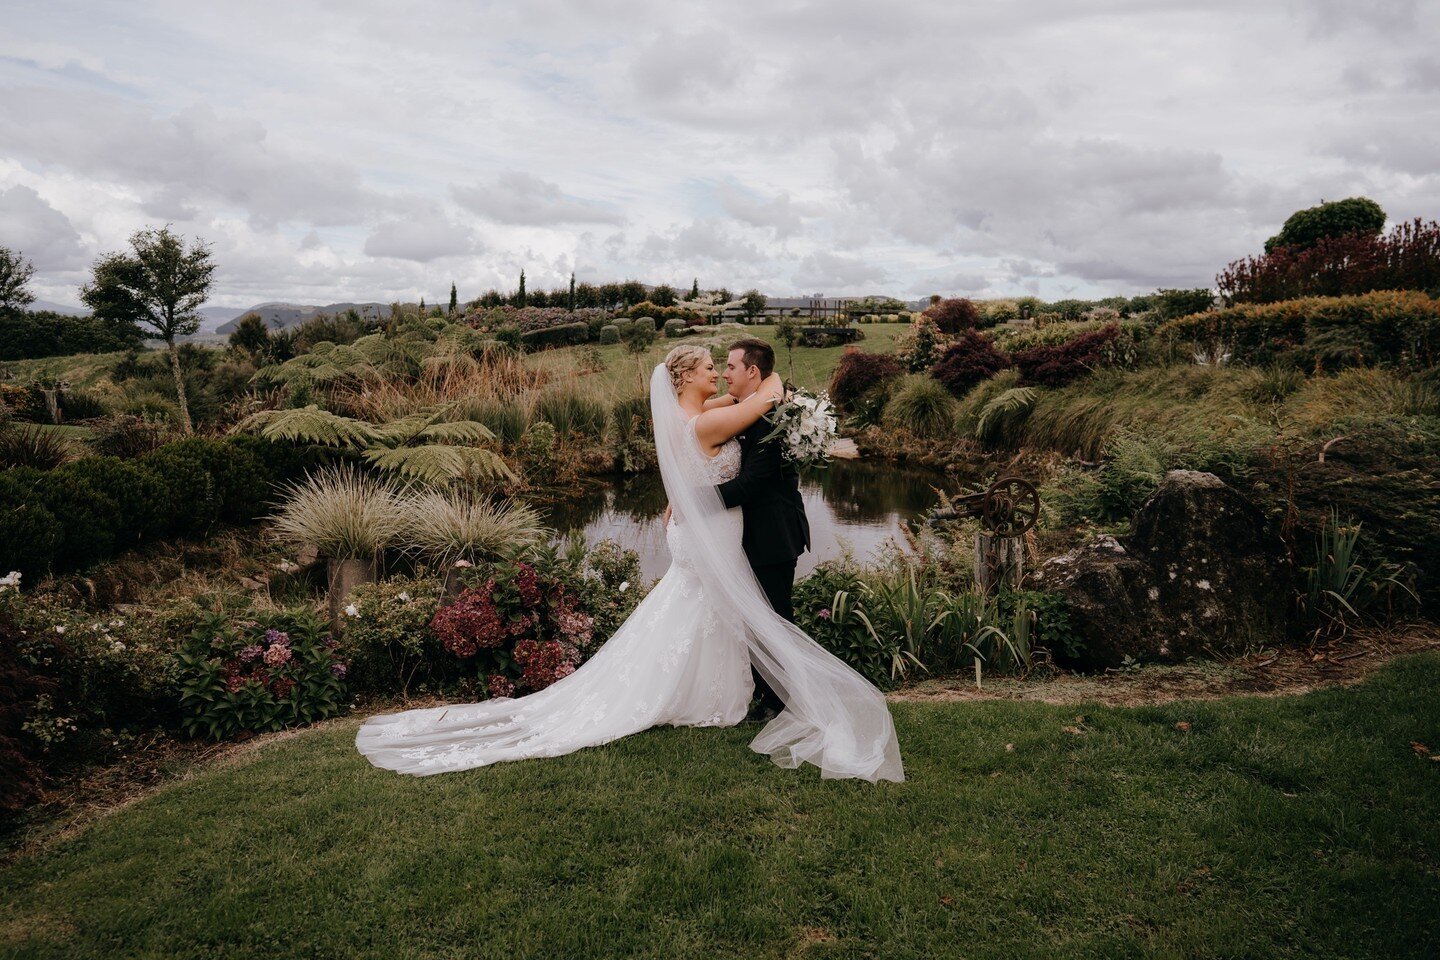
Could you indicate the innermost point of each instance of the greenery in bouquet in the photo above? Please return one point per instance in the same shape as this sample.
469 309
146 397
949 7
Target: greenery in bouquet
256 675
807 427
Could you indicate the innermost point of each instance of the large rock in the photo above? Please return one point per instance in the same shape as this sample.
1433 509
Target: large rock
1202 574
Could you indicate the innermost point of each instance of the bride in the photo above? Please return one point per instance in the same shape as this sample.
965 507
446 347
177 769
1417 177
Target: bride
683 657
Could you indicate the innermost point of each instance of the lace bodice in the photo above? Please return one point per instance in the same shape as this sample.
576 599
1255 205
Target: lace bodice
725 465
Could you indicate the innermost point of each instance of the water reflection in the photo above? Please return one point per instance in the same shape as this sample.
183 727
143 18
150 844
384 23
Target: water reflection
854 503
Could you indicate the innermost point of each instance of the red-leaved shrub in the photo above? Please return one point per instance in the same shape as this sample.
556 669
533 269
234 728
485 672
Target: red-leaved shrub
1408 258
968 361
952 316
858 373
1062 363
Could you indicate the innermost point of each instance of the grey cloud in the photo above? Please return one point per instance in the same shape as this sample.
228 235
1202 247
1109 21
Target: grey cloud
703 241
421 239
191 157
822 270
516 197
43 234
779 213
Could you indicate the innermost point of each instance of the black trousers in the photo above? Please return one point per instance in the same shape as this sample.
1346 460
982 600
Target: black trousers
778 582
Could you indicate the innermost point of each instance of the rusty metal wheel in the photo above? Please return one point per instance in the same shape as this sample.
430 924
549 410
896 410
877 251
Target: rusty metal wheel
1011 507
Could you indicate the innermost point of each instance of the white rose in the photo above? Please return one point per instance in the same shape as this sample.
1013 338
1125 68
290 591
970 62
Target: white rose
403 595
625 586
59 629
352 611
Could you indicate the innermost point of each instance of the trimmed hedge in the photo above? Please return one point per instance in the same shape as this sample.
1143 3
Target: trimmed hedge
564 335
83 512
609 333
1388 327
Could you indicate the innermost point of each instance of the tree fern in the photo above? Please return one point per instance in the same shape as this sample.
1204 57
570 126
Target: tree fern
440 463
312 425
1009 407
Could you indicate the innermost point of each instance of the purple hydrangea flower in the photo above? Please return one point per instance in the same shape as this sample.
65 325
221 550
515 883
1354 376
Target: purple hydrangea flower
277 637
251 652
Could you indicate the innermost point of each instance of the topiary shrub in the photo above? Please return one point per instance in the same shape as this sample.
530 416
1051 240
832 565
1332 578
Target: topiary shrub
237 476
857 374
563 335
609 334
88 515
30 534
968 361
195 505
675 328
1057 365
139 494
1392 327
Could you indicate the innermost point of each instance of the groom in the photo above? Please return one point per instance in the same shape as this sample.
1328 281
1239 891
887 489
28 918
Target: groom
767 491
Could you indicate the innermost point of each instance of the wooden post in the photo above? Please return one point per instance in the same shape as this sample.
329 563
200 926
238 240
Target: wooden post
999 561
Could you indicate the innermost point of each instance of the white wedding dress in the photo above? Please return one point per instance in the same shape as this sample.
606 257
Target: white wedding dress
682 658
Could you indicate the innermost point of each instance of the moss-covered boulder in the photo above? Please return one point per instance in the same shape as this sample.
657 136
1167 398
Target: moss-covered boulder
1203 574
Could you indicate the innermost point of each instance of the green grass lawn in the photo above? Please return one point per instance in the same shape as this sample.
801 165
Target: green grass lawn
1280 827
619 375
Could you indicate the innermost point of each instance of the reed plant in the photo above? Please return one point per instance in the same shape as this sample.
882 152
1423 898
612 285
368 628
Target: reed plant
508 419
572 413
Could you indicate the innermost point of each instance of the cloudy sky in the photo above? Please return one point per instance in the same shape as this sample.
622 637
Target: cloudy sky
378 151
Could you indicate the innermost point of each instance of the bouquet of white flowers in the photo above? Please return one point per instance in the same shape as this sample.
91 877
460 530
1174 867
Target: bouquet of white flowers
807 428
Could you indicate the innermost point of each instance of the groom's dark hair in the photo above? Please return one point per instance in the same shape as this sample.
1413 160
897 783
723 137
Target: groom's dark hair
758 353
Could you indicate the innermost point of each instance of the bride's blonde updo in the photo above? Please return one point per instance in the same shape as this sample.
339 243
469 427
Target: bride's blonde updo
683 360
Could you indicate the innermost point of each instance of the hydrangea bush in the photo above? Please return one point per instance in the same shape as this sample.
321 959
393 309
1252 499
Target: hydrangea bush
521 629
257 675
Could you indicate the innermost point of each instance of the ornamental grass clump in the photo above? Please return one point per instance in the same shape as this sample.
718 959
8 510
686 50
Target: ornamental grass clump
447 526
923 406
343 513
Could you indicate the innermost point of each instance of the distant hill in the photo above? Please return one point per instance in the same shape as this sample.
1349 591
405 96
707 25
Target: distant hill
211 317
58 308
278 315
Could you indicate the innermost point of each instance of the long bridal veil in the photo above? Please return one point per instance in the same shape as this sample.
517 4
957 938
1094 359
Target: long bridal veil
833 717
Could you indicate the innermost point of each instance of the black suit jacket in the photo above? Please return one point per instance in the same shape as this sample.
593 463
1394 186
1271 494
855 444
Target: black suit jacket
767 491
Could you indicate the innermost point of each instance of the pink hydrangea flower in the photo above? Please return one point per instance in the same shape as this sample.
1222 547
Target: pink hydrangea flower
278 655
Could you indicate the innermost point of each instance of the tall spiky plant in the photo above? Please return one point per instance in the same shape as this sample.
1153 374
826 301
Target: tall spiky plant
343 513
444 526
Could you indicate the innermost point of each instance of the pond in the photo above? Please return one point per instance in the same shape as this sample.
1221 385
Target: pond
854 504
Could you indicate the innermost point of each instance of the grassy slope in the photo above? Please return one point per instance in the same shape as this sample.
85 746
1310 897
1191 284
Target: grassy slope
619 376
1272 828
83 370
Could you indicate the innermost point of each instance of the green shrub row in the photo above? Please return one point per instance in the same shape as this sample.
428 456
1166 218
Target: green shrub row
564 335
85 511
1389 327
